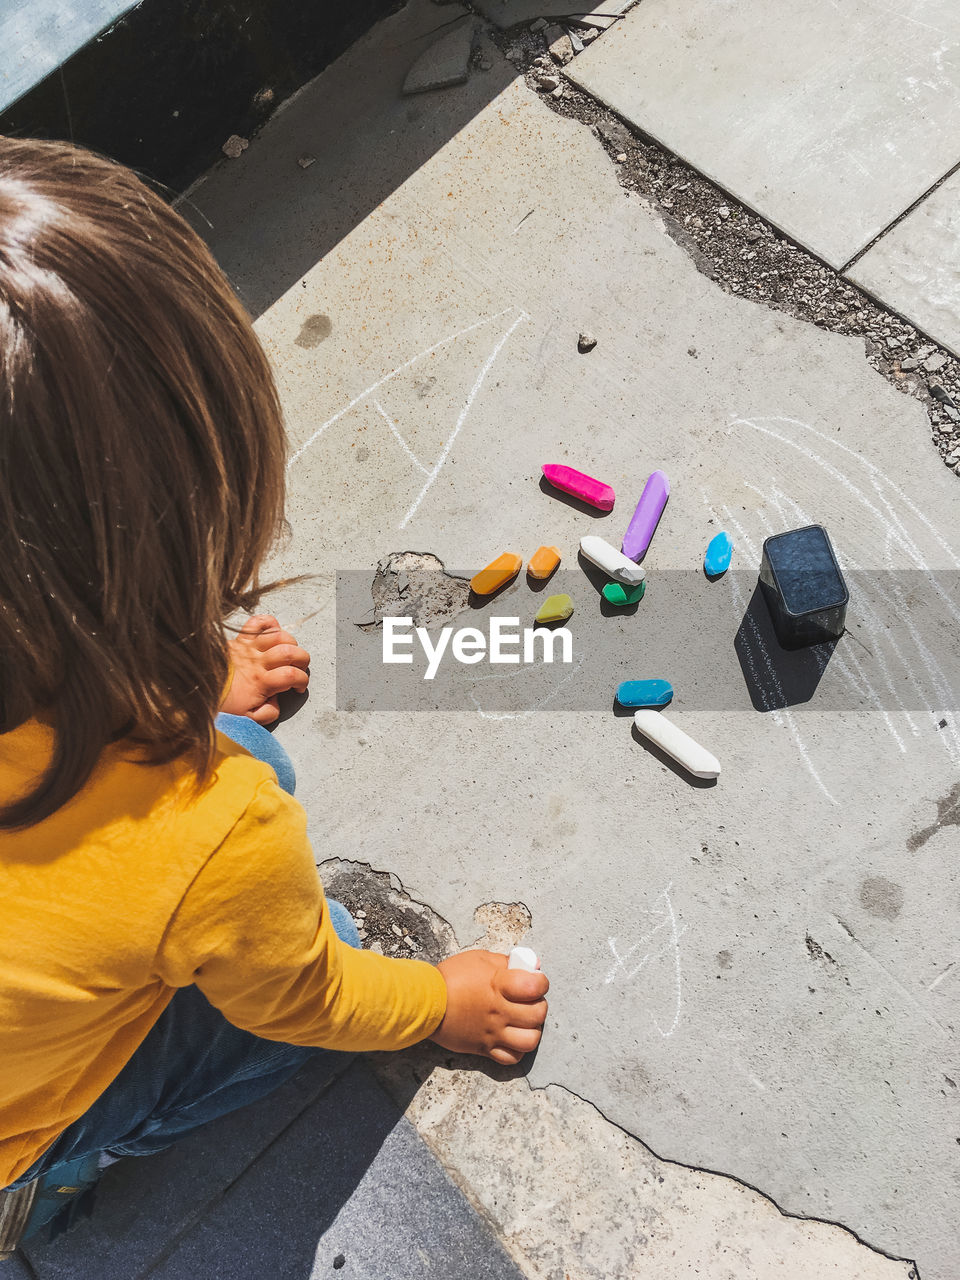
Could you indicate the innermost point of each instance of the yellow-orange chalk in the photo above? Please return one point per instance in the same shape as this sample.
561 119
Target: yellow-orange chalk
497 572
543 562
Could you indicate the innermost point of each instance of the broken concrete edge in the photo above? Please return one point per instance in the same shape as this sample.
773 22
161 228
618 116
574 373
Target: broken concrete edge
424 1058
445 63
505 924
385 902
575 103
749 1186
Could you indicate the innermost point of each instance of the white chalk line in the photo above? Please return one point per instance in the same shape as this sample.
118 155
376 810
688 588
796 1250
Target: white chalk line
866 611
374 386
951 739
520 715
858 681
478 383
670 919
399 438
620 962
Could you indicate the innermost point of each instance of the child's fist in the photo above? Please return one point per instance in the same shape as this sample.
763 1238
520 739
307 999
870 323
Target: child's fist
266 662
491 1010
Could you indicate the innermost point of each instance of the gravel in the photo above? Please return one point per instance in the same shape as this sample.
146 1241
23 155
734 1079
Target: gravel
749 258
387 919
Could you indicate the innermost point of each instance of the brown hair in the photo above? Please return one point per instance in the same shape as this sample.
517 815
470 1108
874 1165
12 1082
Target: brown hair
141 467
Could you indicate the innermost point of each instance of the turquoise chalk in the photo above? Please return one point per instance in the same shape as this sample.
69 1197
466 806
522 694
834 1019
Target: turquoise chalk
644 693
719 553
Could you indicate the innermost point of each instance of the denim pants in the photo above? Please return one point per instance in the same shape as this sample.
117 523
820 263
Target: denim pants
194 1065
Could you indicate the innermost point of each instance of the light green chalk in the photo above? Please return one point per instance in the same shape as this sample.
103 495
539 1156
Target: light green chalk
555 609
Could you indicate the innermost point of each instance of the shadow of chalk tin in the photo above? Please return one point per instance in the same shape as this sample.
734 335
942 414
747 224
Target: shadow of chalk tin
803 587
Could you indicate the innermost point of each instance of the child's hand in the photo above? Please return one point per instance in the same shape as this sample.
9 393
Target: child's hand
266 662
491 1010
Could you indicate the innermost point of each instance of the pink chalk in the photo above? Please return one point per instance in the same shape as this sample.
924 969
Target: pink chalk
595 492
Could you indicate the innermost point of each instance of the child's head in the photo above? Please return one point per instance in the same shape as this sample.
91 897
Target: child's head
141 465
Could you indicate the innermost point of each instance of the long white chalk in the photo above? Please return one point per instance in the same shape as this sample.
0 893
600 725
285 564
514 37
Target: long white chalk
677 744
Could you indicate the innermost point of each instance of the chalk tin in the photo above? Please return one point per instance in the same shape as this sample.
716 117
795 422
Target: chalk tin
804 589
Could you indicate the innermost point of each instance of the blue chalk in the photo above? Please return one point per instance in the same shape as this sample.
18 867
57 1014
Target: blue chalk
644 693
719 553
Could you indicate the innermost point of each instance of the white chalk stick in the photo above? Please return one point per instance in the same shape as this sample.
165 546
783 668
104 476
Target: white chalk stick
523 958
694 758
613 562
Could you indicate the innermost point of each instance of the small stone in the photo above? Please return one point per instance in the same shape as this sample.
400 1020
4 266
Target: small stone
361 915
361 933
893 342
558 92
306 161
586 342
409 942
615 134
952 413
621 157
235 146
907 365
397 930
925 351
402 582
934 363
540 25
723 212
561 50
338 1261
753 234
952 459
549 83
666 202
485 64
589 35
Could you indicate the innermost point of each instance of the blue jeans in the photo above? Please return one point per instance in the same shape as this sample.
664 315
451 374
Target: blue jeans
194 1065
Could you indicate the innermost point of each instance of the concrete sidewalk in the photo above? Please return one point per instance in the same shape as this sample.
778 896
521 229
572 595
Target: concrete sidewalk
838 123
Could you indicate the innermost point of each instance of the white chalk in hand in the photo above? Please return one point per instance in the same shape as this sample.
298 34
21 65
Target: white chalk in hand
694 758
523 958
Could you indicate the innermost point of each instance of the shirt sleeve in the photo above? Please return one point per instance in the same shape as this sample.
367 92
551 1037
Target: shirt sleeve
254 933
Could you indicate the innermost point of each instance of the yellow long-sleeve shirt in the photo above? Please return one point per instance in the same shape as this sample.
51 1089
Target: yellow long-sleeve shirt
139 886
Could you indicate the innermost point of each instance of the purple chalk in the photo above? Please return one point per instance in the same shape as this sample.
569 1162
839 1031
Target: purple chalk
649 509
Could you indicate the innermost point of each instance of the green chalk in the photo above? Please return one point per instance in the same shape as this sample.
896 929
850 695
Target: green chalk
555 609
616 594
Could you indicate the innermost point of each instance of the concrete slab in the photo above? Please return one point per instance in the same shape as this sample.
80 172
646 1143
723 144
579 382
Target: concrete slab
349 1187
596 1203
830 120
144 1205
444 63
36 36
915 267
711 991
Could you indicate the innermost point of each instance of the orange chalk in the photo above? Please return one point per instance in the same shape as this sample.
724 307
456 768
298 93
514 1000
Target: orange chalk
543 562
497 572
